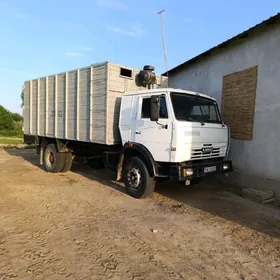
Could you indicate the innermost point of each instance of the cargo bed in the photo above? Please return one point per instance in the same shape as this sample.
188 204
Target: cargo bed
80 105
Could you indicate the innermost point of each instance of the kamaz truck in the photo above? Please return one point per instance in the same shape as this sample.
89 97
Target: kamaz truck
126 120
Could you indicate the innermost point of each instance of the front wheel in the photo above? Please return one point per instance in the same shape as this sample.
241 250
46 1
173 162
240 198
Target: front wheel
138 182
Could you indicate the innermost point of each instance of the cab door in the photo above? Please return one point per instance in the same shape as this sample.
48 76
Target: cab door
155 136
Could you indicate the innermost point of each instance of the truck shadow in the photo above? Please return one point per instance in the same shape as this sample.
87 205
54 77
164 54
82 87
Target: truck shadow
225 202
102 176
220 201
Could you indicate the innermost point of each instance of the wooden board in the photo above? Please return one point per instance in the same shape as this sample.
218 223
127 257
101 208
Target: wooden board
238 102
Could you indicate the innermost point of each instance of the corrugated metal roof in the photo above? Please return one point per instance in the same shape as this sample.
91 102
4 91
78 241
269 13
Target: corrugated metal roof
242 36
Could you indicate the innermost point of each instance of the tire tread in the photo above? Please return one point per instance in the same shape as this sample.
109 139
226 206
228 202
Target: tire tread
149 185
59 159
67 162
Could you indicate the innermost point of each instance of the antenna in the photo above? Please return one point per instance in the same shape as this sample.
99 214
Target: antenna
163 42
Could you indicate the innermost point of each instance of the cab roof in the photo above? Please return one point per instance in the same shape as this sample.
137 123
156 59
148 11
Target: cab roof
161 90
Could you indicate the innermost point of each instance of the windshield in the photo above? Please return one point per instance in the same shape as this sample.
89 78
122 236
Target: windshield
193 108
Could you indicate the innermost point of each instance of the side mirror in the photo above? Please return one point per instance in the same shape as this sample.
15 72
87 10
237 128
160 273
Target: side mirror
154 113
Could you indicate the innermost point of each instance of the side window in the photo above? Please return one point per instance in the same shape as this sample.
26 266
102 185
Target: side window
163 114
145 113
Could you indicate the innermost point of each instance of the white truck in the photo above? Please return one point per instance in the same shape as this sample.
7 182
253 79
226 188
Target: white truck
126 120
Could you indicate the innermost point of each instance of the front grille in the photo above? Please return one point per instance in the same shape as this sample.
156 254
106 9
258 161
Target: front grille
200 153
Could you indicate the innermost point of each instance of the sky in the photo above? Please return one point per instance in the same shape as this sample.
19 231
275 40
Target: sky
39 38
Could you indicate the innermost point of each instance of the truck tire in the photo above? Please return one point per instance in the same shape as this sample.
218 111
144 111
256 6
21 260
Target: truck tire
67 162
138 182
53 160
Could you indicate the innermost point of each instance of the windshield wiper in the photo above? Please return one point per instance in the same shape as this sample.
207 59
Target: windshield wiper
201 122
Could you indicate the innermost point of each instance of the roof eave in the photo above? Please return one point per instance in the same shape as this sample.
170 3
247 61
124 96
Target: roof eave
272 20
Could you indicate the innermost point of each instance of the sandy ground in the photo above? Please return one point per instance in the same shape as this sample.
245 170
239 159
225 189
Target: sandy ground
82 225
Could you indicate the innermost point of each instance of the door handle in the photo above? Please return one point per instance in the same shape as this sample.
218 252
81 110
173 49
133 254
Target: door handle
137 132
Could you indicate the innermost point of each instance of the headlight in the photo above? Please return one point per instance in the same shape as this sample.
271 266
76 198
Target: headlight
188 172
225 166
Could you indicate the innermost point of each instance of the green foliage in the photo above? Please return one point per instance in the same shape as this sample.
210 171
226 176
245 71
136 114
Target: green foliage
11 133
21 96
16 117
6 120
11 141
10 123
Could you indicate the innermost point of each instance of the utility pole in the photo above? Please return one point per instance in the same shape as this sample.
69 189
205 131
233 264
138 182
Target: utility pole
163 40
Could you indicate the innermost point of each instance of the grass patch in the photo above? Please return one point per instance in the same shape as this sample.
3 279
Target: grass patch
11 141
11 133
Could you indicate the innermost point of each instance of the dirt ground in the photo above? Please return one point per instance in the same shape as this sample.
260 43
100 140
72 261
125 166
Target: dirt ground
82 225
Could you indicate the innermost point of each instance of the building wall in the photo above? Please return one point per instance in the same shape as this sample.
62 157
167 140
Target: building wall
261 155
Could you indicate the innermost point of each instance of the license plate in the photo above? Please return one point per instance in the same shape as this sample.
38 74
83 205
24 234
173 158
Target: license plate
209 169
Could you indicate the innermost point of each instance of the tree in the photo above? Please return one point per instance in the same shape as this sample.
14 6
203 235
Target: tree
6 120
16 117
22 97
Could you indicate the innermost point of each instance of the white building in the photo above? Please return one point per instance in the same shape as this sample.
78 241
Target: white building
243 74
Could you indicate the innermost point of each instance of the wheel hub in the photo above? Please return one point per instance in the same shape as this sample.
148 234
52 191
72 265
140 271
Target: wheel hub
51 158
134 177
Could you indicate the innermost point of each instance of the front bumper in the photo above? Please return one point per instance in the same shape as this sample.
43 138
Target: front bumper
198 170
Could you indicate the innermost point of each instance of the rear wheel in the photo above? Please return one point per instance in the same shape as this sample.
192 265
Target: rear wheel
138 182
67 162
53 160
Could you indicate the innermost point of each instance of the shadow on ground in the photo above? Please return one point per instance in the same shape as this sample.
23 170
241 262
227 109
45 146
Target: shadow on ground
102 176
224 201
216 199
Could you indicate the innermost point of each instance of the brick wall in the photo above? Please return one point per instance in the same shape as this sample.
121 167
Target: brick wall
238 102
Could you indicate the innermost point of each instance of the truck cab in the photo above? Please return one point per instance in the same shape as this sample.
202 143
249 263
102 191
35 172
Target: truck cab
180 131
